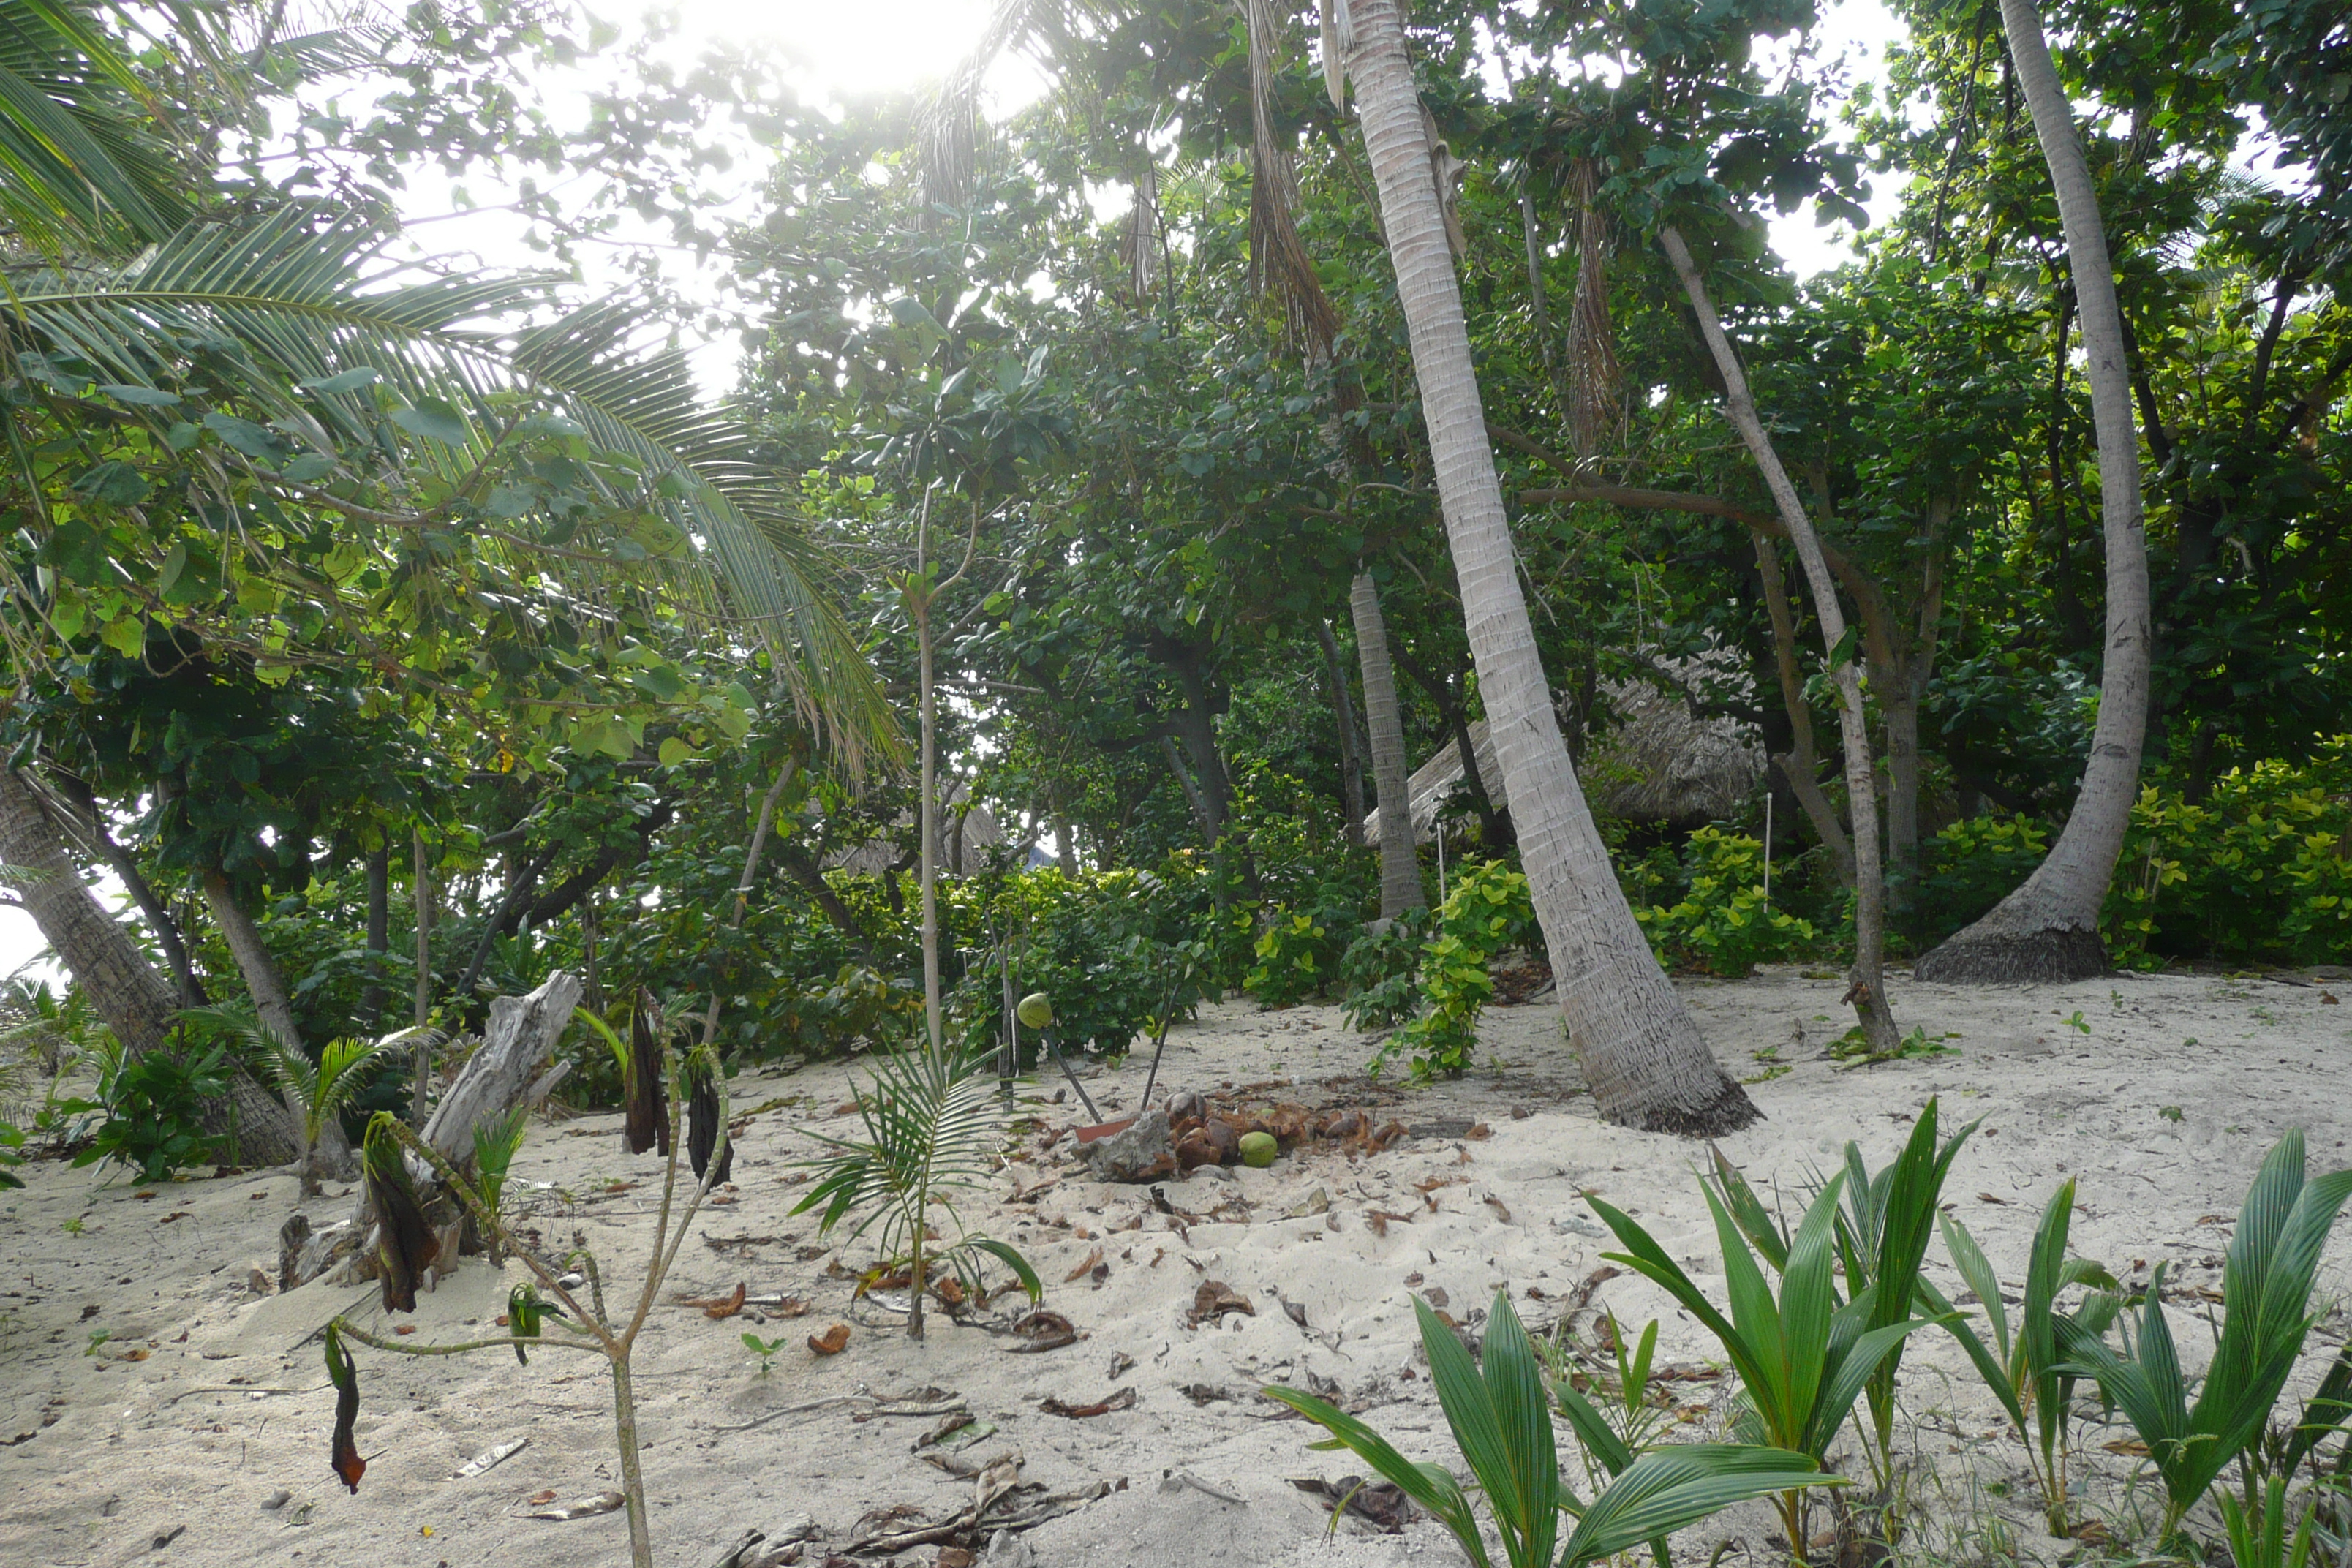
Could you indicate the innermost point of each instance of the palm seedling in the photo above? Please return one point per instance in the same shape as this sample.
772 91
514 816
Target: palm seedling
1881 1243
2023 1365
1500 1417
543 1312
2266 1284
1803 1360
496 1141
318 1091
932 1131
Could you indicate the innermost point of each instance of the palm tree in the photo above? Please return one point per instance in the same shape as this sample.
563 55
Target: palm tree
2048 929
1641 1053
318 1090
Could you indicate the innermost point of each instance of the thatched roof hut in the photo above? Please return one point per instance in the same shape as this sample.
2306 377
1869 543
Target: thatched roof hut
1659 764
967 831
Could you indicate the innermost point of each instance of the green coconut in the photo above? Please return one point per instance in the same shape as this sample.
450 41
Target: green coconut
1259 1149
1036 1011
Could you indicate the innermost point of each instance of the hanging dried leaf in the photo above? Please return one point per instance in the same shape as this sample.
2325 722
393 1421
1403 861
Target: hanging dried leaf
702 1115
1279 265
405 1246
1339 39
345 1453
646 1115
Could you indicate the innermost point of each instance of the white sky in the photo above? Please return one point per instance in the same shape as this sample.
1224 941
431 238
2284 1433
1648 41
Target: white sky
846 48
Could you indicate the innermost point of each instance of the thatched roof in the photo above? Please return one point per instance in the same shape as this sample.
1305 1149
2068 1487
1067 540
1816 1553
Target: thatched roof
1659 764
980 832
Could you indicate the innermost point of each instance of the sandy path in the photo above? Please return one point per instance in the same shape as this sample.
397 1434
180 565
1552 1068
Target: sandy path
227 1404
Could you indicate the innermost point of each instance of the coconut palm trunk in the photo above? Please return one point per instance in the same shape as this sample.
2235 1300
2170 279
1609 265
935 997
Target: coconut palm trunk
1392 773
137 1003
2048 929
1866 982
1641 1053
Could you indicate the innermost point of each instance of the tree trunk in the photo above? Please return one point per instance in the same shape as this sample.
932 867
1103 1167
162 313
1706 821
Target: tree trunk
332 1156
420 1067
1202 817
1643 1056
1453 707
1196 726
1800 765
150 907
1343 719
1392 773
136 1002
1866 986
2048 929
379 936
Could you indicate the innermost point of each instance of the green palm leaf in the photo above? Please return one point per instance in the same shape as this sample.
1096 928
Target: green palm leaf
288 315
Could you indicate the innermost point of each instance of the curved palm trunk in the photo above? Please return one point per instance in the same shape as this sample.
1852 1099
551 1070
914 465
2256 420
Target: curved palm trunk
331 1155
1391 773
1867 981
1641 1053
137 1003
2048 929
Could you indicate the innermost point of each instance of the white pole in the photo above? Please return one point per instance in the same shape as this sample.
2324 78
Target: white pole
1767 845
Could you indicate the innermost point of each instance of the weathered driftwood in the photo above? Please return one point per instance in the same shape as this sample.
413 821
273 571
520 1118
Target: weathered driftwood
510 1068
516 1047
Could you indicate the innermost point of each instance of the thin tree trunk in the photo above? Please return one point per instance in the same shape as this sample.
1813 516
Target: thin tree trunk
138 1004
1392 773
1799 766
1343 719
801 866
331 1155
1196 726
420 1067
2048 929
143 893
1193 795
1866 986
1643 1056
1453 709
379 936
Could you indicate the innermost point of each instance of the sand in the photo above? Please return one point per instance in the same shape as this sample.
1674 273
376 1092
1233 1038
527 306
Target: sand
206 1400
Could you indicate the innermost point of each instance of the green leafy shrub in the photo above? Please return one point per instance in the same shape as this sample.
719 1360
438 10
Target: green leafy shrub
2260 870
1722 924
154 1110
1381 973
1299 952
860 1008
1487 909
1105 946
1970 867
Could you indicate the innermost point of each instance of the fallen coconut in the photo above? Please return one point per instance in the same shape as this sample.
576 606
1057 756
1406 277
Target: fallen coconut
1259 1149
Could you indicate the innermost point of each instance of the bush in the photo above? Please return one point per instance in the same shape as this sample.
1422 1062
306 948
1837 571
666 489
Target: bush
154 1109
2260 870
1299 952
1381 972
1109 948
1488 910
1721 925
1968 868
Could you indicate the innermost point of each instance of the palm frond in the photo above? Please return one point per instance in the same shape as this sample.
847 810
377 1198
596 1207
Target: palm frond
289 314
79 166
